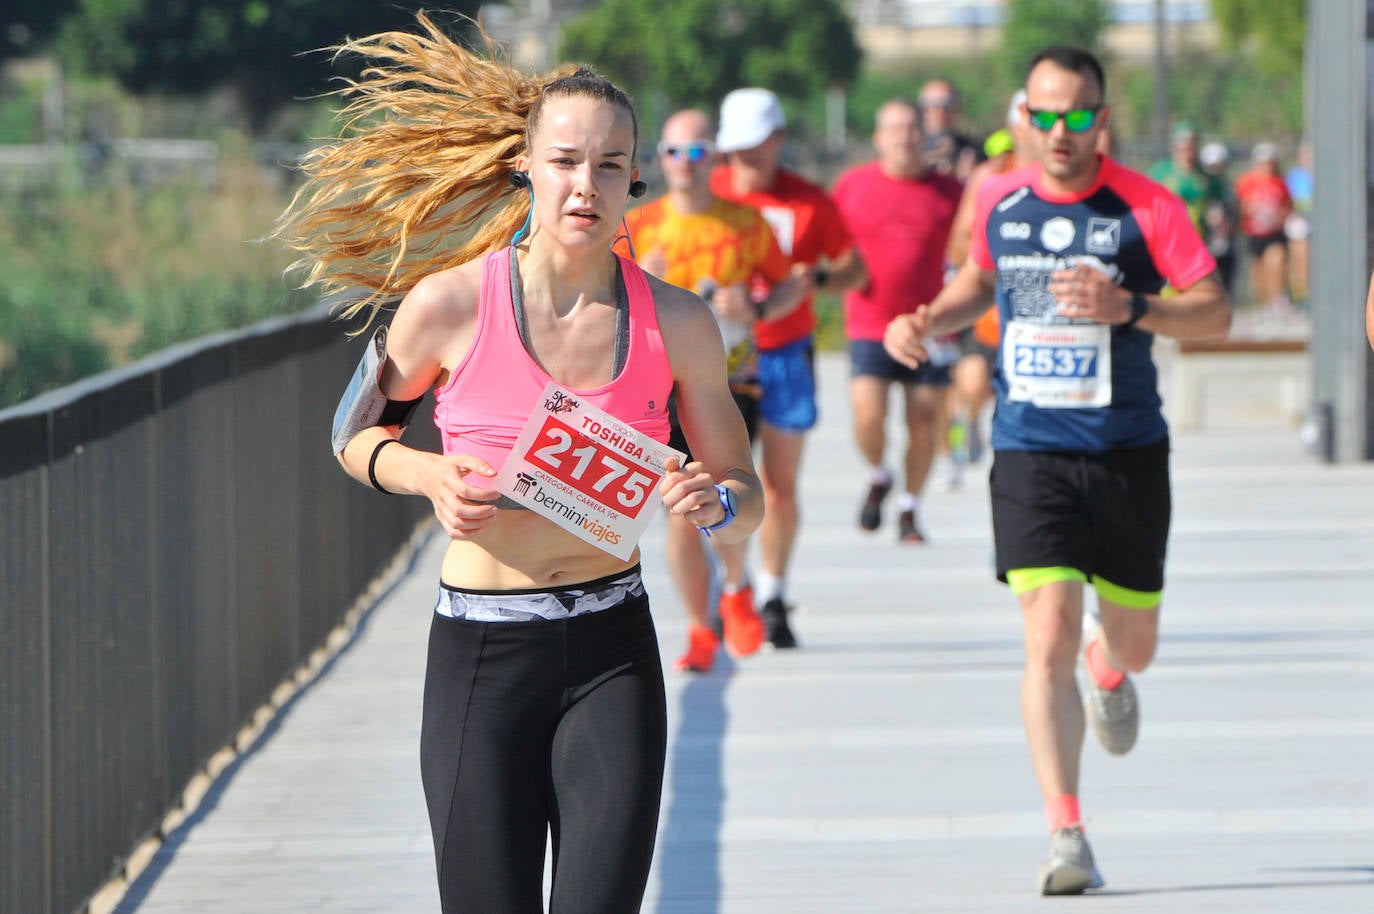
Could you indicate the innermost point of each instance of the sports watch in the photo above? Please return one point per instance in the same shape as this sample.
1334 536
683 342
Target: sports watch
727 504
1140 306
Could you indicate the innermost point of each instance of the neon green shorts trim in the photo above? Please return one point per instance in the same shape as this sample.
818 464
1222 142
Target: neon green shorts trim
1022 580
1124 596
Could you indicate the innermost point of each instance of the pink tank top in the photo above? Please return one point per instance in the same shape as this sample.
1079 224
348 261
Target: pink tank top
493 391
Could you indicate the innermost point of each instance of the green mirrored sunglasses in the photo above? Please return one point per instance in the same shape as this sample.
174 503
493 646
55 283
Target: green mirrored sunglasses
1079 120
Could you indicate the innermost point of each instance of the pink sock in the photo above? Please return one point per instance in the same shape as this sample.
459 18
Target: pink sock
1102 674
1062 812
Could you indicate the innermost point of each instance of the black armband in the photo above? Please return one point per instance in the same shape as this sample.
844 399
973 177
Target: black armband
398 412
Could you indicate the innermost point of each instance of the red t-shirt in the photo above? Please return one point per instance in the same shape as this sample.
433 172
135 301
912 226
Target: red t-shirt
901 227
808 227
1265 203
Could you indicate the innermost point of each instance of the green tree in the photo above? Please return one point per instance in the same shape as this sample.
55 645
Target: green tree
1279 28
692 52
258 47
1031 25
28 26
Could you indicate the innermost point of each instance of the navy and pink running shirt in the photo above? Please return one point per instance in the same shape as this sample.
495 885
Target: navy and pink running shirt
1130 227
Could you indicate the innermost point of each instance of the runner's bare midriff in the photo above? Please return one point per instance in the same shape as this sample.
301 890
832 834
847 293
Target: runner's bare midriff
522 550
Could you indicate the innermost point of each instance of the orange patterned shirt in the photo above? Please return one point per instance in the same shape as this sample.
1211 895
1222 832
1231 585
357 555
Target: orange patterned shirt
727 244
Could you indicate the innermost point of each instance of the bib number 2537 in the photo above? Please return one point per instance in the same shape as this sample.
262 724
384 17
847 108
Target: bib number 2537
1056 361
1058 366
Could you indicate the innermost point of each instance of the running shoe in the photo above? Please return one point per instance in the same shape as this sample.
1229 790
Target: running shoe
1070 869
871 514
701 651
1114 715
907 531
744 632
774 615
957 440
949 477
973 442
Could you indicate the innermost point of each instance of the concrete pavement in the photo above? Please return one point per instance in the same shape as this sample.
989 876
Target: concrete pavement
882 768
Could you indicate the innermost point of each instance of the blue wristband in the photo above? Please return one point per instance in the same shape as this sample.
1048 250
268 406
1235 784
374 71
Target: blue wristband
727 504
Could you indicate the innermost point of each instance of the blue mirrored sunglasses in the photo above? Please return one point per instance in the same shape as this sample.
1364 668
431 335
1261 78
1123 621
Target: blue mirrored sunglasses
691 153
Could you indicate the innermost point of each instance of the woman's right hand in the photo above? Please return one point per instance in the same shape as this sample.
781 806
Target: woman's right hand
459 488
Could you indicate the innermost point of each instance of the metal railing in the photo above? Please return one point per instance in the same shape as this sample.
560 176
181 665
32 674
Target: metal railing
175 537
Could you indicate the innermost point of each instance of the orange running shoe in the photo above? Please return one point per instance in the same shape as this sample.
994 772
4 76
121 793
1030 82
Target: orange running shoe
701 651
743 626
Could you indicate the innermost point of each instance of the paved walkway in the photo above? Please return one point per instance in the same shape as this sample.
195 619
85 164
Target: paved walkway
882 767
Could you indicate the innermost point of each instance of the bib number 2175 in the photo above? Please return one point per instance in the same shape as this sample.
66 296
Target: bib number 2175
589 466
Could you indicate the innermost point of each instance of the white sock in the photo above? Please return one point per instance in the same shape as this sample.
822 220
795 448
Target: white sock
908 502
767 587
1092 619
727 587
880 476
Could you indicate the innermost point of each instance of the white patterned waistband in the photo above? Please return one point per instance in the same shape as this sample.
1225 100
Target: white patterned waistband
539 605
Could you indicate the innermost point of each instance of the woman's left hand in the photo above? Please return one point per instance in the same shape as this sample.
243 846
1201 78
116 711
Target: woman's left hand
689 491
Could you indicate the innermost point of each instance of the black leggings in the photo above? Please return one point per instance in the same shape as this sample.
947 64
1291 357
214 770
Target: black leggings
538 727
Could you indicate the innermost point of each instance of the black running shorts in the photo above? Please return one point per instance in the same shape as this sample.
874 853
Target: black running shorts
1106 515
868 358
1258 244
748 410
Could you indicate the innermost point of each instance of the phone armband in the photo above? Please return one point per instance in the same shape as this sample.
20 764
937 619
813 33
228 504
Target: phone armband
363 404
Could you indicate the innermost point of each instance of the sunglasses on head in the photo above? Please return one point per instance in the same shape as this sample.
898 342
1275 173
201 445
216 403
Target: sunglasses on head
1079 120
692 153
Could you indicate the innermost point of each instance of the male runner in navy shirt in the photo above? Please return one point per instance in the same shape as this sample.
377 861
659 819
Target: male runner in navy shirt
1076 250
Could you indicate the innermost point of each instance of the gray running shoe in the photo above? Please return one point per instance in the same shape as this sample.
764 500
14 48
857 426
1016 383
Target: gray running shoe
1070 869
973 442
1114 715
907 531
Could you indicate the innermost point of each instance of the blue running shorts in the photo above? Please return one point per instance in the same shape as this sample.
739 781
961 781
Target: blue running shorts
788 378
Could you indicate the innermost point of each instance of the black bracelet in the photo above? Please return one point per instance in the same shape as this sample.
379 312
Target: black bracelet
820 276
372 464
